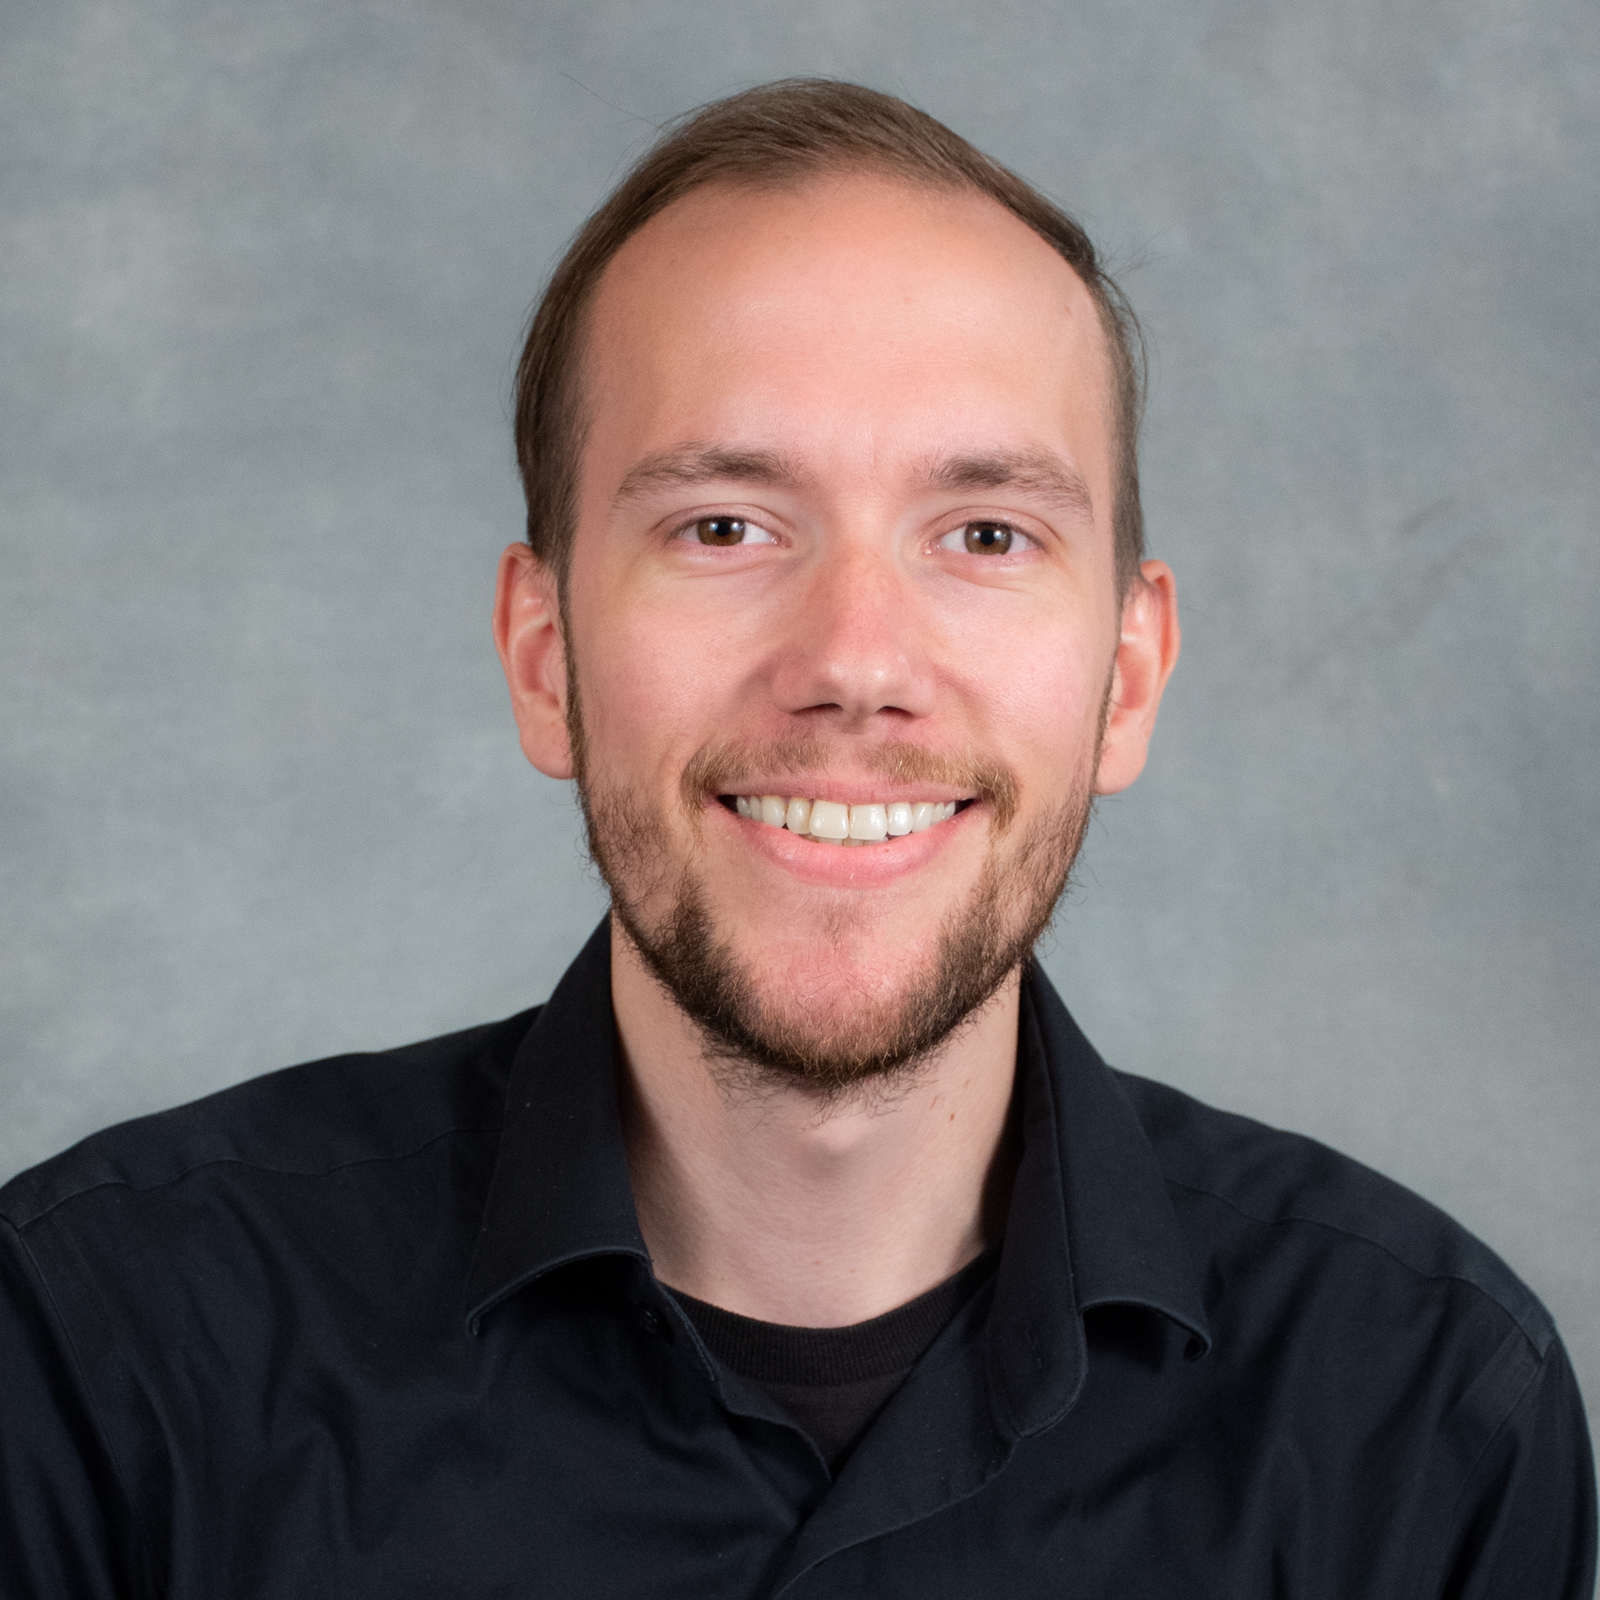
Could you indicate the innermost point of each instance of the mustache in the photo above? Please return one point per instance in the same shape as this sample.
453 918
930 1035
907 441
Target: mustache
720 768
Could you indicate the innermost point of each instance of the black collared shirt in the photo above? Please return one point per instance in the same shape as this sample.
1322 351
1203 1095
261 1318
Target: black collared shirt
385 1326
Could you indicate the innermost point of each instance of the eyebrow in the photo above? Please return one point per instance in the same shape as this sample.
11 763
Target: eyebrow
697 463
1038 473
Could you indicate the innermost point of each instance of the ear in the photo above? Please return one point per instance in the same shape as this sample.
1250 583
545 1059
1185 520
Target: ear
1147 650
527 633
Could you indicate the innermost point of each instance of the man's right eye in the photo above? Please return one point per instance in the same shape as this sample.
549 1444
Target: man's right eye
727 531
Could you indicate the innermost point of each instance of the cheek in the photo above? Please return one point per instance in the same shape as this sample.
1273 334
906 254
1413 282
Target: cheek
1046 711
653 689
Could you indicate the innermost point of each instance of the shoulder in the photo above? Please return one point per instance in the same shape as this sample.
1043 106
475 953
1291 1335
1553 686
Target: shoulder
1417 1386
309 1120
1241 1186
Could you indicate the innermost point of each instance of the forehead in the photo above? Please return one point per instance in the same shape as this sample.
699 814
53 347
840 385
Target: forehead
876 317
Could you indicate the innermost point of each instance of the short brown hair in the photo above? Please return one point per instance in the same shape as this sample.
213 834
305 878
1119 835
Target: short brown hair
780 134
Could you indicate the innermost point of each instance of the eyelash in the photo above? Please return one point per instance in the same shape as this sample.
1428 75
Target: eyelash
687 530
1016 533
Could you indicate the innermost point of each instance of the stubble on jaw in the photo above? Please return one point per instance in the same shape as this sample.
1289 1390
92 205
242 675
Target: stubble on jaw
880 1044
878 1047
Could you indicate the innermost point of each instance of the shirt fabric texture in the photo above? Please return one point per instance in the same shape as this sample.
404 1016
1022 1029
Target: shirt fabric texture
385 1326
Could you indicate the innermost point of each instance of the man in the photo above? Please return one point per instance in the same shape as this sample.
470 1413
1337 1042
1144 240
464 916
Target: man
800 1245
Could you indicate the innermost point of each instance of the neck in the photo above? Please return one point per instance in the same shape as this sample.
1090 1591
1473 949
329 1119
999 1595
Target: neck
776 1206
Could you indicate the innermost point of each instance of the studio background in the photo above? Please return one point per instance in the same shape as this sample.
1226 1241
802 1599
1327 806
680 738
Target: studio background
265 270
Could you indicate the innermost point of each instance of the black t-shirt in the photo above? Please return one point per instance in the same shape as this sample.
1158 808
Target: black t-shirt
834 1381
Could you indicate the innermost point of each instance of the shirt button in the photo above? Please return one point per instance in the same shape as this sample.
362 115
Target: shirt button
653 1322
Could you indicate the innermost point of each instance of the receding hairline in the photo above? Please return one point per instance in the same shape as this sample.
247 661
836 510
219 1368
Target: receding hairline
777 136
839 169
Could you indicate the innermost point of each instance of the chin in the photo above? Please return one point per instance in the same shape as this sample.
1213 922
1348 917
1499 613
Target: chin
835 991
844 951
832 991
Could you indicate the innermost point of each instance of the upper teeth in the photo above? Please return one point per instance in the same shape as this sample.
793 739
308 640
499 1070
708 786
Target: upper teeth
836 823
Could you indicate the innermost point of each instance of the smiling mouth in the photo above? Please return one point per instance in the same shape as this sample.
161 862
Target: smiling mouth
833 822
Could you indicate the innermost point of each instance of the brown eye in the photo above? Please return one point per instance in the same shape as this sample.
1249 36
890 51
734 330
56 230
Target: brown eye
987 538
720 530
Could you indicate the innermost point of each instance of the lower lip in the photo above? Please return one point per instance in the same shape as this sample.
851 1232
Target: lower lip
837 866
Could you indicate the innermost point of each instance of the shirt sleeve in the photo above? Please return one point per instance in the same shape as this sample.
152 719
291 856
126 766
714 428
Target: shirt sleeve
1527 1515
66 1527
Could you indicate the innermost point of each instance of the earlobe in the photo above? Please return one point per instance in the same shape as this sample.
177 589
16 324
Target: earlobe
1147 651
527 634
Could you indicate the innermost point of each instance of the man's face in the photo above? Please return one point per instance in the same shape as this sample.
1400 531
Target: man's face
843 536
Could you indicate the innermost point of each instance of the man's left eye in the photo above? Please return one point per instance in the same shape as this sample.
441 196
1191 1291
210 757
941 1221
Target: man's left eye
984 539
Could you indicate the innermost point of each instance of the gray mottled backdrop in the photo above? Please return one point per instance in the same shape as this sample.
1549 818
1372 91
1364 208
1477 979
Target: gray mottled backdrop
264 268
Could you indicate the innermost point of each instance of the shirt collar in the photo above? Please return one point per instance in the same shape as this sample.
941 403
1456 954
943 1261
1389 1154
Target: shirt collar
560 1190
1090 1221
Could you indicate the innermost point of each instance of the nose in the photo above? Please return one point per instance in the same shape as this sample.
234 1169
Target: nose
857 643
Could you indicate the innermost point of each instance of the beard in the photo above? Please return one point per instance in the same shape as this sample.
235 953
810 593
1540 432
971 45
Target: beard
757 1043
